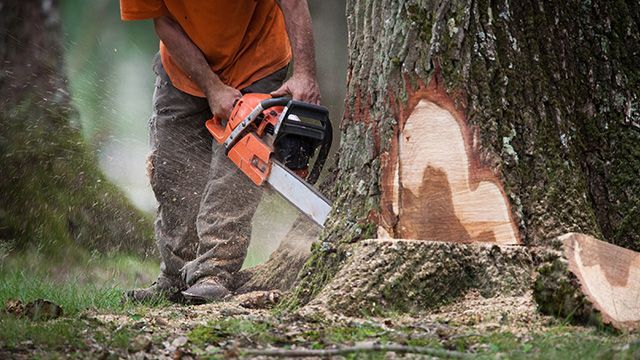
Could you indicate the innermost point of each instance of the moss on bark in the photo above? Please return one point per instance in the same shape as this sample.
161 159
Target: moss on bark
557 291
386 276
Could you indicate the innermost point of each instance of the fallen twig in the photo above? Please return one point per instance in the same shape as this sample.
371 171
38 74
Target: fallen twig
358 348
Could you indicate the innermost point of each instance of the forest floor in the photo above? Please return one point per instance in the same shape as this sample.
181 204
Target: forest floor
96 325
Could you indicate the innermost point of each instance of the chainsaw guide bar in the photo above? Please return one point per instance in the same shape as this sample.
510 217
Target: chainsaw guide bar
299 193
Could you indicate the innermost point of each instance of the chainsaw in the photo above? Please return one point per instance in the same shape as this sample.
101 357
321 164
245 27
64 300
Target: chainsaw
272 140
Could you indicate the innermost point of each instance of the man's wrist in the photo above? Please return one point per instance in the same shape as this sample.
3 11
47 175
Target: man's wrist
304 73
210 83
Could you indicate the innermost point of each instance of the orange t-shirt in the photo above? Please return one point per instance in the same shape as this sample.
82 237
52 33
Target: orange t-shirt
243 40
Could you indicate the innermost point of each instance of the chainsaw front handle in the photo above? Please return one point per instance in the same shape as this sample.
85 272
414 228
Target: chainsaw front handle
315 112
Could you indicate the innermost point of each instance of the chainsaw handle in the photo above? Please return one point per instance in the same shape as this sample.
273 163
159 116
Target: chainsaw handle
320 114
217 129
280 101
323 153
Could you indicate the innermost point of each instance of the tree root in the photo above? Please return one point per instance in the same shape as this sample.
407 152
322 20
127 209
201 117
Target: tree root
448 354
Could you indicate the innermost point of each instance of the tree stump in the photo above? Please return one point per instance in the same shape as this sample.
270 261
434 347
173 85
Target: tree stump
384 275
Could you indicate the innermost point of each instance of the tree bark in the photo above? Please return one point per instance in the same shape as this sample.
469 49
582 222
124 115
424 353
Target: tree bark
536 111
53 194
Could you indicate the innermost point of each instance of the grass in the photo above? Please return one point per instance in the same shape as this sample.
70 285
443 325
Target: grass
558 342
73 297
77 284
88 282
96 282
352 334
52 335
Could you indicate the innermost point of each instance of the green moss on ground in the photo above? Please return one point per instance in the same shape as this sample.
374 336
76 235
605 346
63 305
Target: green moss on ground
216 332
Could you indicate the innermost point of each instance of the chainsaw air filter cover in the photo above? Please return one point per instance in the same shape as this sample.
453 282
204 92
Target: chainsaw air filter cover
304 128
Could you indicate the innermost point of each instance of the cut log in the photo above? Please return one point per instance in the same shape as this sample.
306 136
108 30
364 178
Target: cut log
414 275
435 187
590 281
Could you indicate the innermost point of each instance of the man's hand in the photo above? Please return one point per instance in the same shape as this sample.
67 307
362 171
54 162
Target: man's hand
300 87
221 99
303 84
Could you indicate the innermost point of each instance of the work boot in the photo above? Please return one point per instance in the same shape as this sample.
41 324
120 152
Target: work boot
205 290
161 289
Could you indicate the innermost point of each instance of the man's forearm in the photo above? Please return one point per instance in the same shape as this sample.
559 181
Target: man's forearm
303 84
186 54
300 31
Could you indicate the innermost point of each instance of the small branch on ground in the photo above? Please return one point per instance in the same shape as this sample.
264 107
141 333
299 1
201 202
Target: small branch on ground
358 349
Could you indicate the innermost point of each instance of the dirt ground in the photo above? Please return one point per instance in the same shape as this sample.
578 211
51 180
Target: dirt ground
246 326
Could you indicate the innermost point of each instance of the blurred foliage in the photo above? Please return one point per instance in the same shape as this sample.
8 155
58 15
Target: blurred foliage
103 56
108 63
54 197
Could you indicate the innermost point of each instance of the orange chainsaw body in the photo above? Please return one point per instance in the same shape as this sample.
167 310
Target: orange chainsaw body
251 153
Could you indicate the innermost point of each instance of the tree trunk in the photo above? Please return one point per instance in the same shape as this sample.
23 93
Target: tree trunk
53 194
470 122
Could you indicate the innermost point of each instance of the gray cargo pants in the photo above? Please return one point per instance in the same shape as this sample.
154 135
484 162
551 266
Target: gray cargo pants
206 203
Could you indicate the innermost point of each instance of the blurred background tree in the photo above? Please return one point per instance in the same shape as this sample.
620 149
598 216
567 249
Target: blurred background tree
54 198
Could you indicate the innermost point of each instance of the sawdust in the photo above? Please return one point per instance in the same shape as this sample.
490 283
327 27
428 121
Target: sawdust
228 328
516 314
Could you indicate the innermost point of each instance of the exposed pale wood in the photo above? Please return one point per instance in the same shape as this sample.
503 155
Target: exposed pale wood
609 276
438 192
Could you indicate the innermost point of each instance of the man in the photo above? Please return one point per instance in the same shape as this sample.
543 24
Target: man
211 52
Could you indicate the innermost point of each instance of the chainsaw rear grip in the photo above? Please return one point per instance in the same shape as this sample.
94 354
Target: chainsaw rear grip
217 129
